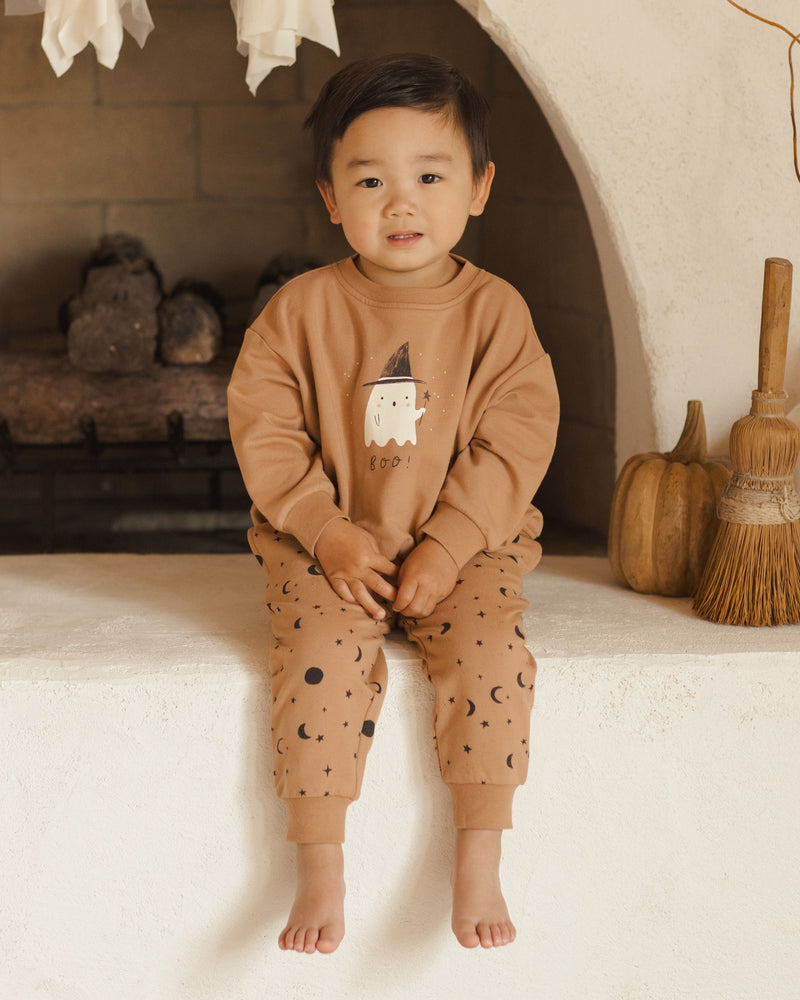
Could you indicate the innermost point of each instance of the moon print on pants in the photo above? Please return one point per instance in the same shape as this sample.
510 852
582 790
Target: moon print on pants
482 672
329 674
392 405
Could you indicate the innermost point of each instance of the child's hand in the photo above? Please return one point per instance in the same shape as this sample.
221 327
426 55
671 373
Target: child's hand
427 576
354 567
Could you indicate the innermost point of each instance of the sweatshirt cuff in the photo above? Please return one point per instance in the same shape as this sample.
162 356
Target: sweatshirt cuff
309 516
456 532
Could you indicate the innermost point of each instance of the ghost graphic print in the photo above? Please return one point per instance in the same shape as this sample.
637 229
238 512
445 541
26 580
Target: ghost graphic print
392 412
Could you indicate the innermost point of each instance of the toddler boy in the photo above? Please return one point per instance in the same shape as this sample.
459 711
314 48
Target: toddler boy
393 414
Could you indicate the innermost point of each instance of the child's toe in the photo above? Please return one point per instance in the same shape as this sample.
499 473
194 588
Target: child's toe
328 940
466 935
485 935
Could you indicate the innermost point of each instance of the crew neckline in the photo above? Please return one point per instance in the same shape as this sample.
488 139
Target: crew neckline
359 284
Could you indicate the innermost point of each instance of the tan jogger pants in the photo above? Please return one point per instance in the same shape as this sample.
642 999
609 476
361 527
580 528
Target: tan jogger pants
329 677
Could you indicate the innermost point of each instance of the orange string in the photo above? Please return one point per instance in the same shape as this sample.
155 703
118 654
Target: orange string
758 17
794 39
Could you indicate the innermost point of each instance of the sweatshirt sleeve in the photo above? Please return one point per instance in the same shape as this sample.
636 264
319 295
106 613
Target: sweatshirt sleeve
492 480
270 401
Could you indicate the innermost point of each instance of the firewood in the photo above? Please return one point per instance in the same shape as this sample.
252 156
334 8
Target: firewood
44 398
111 337
280 269
112 324
191 325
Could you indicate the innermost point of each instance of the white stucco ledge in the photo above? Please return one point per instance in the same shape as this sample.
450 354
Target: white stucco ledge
655 851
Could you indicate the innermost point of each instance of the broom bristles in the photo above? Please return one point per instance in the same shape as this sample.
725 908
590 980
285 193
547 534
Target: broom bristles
764 444
752 576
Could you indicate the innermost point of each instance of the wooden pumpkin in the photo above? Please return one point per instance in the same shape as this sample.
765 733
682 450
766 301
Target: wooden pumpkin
664 514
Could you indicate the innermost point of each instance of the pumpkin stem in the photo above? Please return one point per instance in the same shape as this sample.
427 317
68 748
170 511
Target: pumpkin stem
692 445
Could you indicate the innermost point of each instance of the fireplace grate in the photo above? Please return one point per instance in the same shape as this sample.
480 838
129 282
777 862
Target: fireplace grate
174 495
171 495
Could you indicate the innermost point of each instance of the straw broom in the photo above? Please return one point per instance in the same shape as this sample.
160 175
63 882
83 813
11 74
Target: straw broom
752 576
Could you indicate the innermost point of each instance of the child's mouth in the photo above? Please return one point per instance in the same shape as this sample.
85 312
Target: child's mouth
404 239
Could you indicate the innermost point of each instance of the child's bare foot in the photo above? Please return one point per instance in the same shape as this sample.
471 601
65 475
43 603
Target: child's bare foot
480 916
316 921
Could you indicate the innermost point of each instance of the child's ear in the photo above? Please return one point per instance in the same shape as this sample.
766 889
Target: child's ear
326 190
481 189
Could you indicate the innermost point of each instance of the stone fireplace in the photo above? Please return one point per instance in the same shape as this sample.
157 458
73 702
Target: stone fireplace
171 147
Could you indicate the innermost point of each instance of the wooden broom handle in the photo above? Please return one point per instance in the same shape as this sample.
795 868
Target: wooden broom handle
775 305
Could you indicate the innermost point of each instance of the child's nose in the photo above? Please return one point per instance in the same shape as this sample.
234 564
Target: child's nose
400 202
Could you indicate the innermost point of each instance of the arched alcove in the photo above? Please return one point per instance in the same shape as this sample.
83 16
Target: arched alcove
217 184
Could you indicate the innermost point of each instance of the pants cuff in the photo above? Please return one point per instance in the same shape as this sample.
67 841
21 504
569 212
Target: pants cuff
317 820
482 807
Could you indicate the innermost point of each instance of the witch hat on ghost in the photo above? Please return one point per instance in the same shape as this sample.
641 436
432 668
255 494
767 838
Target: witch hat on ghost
396 369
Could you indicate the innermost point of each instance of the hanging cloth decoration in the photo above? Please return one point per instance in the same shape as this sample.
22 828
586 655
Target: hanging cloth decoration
70 25
268 33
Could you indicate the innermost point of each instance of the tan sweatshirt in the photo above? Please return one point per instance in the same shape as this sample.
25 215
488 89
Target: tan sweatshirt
410 411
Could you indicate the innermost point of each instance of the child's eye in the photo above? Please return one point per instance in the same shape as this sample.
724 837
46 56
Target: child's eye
369 182
430 178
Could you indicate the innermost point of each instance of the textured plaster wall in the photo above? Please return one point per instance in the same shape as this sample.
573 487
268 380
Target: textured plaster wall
142 851
675 120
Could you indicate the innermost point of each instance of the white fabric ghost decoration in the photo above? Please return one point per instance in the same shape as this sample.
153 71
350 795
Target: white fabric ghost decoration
70 25
267 33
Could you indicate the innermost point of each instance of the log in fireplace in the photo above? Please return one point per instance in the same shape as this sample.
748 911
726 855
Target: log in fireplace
110 445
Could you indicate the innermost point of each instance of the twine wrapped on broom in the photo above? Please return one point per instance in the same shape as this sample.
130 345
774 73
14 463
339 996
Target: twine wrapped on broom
752 576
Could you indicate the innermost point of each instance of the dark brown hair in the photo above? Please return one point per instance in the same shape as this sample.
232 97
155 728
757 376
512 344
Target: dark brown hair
405 80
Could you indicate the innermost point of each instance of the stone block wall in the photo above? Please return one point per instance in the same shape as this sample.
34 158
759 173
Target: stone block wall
536 235
172 147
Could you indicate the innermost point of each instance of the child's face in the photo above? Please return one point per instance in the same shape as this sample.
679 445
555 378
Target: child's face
403 189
